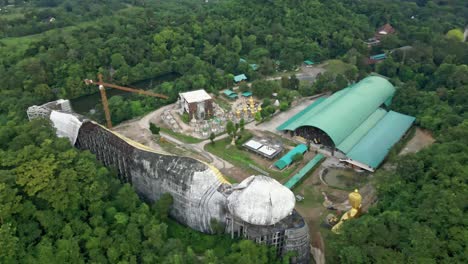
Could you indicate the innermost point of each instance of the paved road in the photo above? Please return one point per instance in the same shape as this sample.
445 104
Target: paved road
200 148
138 130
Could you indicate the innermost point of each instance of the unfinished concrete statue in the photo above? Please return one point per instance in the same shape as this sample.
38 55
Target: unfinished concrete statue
259 208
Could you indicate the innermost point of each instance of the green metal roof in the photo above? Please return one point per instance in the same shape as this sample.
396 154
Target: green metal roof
240 77
228 92
375 145
298 115
344 111
309 166
253 66
308 62
247 94
379 56
362 130
287 159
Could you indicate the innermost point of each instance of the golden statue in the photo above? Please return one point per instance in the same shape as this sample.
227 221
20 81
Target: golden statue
259 108
355 200
238 113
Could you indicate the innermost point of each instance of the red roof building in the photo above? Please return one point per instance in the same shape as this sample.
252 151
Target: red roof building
384 30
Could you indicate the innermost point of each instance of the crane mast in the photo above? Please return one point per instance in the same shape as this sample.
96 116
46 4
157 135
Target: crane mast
102 89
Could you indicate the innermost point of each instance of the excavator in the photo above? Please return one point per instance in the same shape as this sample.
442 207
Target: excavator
102 88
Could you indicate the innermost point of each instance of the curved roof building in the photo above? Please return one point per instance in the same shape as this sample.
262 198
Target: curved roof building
350 115
350 106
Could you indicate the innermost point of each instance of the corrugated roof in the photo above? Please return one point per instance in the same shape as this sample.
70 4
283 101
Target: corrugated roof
230 94
362 130
308 62
240 77
298 115
376 144
287 159
343 112
247 94
378 56
298 176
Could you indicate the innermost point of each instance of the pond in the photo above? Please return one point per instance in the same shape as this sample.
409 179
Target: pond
86 103
347 179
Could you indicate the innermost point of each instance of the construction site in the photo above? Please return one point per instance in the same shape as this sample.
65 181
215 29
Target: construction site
281 182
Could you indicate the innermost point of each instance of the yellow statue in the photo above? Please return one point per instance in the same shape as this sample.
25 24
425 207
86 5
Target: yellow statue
259 108
355 200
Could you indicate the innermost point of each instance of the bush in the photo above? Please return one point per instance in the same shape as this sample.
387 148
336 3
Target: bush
298 157
154 129
243 137
283 106
185 118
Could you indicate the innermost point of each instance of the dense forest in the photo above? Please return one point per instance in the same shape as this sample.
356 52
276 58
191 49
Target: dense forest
59 205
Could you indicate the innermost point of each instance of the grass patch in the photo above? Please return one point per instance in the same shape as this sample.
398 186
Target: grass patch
22 43
181 137
230 179
241 158
312 198
344 179
11 15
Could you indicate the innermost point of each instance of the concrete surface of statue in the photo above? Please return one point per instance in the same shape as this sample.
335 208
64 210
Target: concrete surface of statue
355 200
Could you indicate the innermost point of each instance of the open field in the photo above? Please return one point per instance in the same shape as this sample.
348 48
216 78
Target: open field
19 44
181 137
242 158
420 140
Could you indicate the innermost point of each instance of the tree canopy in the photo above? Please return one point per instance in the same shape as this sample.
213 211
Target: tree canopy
59 205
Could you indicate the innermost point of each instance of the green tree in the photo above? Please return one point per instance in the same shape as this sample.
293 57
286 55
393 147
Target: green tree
242 124
212 137
455 34
236 44
154 129
298 157
293 82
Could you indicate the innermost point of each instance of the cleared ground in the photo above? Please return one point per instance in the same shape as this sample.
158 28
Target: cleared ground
282 117
420 140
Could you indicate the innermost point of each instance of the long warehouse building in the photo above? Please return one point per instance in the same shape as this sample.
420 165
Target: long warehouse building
355 122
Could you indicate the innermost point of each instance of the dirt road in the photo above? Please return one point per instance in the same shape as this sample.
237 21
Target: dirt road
305 73
138 130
